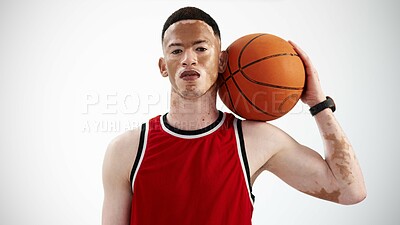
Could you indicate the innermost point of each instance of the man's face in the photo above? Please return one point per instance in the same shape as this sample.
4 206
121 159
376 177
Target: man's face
191 57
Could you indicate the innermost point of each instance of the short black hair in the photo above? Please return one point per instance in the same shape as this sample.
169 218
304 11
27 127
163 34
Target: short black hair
191 13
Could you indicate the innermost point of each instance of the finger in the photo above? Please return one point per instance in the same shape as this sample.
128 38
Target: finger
304 57
298 49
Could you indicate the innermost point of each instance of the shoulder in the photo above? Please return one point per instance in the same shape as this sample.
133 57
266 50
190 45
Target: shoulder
257 129
123 143
121 153
263 140
260 138
266 136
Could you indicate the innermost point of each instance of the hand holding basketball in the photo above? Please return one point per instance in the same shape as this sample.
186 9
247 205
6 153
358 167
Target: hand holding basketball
312 93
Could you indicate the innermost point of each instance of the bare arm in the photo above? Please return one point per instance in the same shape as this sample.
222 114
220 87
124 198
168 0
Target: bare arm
337 177
117 165
341 159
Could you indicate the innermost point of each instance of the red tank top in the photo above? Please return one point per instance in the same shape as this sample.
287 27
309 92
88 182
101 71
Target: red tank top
196 177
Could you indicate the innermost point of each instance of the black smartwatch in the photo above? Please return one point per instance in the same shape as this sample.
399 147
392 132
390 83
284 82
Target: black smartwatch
328 103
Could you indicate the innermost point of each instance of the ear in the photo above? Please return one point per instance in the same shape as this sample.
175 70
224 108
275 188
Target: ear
163 67
223 61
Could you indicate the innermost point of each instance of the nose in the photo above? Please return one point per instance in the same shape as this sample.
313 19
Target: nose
189 58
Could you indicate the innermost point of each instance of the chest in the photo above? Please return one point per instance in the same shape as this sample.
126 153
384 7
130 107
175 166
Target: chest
172 163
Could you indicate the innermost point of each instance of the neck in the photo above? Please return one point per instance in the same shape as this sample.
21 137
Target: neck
193 113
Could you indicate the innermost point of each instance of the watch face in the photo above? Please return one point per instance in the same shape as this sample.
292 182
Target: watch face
331 104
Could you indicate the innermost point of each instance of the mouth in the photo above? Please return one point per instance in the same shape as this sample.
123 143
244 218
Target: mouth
189 75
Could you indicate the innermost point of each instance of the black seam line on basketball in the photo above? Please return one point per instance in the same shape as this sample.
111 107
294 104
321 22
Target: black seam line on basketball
240 90
264 58
258 82
245 46
230 98
226 86
292 96
229 93
248 100
240 55
268 57
227 89
234 81
265 84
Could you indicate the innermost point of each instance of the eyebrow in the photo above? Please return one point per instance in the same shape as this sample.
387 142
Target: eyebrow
193 43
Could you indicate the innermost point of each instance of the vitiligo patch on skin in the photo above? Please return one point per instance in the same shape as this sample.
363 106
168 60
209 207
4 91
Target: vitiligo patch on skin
187 22
341 156
323 194
193 22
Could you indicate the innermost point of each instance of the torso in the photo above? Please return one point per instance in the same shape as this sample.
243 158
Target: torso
187 172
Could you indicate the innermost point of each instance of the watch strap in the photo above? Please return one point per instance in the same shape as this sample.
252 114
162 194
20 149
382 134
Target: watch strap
328 103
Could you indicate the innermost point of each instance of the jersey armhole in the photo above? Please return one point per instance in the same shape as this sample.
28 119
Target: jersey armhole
243 155
139 154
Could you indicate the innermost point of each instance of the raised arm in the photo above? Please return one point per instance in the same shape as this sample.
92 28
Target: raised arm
339 153
117 165
337 177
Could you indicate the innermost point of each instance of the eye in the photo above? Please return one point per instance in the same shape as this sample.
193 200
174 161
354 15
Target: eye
177 51
201 49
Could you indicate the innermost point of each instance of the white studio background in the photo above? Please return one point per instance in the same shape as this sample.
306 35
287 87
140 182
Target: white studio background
75 74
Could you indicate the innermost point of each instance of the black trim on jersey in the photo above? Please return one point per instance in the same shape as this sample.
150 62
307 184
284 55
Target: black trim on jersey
139 151
192 132
244 156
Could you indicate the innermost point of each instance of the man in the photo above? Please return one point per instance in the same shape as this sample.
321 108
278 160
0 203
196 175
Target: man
196 165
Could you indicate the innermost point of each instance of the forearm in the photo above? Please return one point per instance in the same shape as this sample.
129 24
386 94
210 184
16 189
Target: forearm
341 158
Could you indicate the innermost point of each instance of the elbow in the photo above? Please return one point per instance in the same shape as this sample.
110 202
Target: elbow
355 197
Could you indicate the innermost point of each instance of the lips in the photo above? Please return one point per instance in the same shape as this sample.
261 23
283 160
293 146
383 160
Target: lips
189 75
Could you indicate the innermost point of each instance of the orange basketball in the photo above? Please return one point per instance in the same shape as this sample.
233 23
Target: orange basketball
264 77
